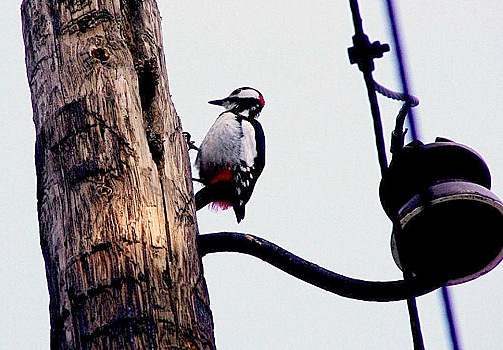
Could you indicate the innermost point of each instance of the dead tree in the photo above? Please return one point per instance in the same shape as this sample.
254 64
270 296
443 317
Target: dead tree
115 199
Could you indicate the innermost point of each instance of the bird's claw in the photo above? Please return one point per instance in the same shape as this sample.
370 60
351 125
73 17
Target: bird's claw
190 143
198 180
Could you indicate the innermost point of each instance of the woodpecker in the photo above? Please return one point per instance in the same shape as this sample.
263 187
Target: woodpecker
232 154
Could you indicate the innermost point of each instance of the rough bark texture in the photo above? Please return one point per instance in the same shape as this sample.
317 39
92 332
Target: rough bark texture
116 214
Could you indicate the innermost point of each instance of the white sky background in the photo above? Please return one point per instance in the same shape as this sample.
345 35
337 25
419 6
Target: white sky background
318 195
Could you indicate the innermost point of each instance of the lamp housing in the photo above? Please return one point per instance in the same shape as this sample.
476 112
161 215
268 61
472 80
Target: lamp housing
448 225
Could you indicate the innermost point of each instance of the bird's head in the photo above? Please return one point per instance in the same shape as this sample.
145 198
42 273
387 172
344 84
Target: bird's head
245 101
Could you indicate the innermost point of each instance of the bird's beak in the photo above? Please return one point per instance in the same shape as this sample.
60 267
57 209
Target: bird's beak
217 102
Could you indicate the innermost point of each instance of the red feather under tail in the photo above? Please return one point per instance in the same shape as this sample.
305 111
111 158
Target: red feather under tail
216 206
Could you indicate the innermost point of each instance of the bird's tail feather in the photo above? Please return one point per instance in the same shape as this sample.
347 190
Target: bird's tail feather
202 198
240 212
219 192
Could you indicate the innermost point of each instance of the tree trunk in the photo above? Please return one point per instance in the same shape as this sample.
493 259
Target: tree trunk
115 199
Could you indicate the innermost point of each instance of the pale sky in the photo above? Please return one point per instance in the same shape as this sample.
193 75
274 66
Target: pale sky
318 195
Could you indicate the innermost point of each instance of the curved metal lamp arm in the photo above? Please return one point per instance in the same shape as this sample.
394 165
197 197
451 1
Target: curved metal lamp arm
312 273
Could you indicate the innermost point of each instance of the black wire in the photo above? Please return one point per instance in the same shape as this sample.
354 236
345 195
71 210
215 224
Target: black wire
363 55
415 324
417 337
357 20
405 89
450 318
401 65
376 118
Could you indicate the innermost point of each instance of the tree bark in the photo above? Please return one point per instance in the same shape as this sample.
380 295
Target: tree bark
115 198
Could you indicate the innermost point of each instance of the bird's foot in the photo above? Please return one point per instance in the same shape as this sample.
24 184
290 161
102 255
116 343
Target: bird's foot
190 143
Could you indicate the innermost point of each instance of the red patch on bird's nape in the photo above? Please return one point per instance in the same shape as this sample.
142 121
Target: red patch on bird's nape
224 175
216 206
262 101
